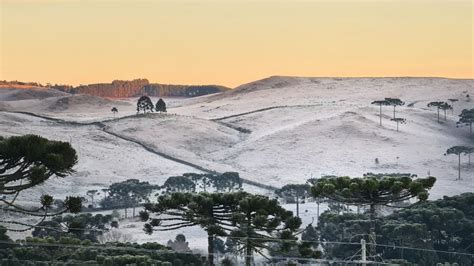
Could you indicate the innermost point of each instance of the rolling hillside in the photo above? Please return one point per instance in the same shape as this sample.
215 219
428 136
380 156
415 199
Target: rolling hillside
274 131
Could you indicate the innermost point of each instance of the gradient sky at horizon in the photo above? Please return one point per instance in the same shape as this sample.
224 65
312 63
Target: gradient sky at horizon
230 42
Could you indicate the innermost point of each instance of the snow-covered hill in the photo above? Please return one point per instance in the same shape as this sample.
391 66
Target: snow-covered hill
274 131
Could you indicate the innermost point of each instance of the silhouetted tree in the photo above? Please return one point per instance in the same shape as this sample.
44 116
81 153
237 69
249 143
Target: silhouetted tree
144 104
399 120
440 106
380 104
445 107
458 150
394 102
28 161
114 110
160 106
178 184
258 220
452 104
212 212
466 118
373 190
128 194
179 244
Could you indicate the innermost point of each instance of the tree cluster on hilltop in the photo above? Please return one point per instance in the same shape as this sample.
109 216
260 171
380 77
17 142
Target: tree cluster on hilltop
137 87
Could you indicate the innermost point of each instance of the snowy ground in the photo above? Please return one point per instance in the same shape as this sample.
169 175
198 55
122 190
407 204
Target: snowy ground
274 131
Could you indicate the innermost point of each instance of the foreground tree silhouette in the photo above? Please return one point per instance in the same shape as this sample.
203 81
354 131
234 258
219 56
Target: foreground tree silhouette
160 106
144 104
440 106
380 104
399 120
257 219
394 102
373 190
114 110
458 150
212 212
28 161
466 118
248 220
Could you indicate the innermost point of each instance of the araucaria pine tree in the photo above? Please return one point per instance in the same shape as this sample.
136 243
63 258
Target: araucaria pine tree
440 106
144 104
445 107
458 150
211 211
466 118
257 220
160 106
399 120
29 161
380 104
114 110
452 104
394 102
373 190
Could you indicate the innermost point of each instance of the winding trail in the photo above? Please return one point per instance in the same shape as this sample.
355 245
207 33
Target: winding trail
265 109
103 127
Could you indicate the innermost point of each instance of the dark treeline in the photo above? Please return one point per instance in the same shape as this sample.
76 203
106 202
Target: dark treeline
139 87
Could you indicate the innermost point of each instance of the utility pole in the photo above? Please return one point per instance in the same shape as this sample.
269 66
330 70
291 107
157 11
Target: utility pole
297 206
363 252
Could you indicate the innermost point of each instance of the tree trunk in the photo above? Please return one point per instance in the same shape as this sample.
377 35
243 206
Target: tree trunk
125 212
317 213
397 126
372 235
438 114
133 211
394 111
459 166
210 249
248 254
380 114
297 206
248 248
470 129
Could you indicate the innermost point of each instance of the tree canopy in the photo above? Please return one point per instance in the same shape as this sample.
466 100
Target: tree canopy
458 150
466 118
440 106
144 104
381 103
373 190
160 106
28 161
394 102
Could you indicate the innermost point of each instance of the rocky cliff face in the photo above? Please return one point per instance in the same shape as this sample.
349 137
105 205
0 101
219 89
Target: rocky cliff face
139 87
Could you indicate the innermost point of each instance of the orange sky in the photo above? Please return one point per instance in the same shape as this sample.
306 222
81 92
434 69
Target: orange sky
231 42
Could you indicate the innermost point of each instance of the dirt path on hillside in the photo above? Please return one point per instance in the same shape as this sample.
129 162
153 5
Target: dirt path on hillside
103 127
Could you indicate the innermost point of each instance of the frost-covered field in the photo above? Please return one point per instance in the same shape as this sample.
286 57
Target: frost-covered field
274 131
